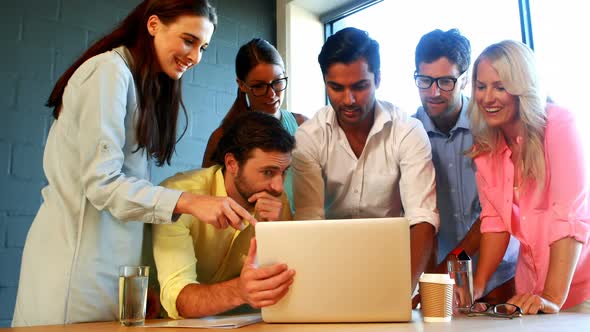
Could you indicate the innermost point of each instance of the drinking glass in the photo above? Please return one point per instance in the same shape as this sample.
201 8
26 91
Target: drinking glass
133 286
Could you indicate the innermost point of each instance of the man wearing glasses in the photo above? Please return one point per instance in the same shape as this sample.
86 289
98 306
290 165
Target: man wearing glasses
361 157
442 61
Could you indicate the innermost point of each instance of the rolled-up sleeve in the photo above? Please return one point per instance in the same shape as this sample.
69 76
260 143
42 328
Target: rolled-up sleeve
175 261
569 187
417 179
103 94
308 183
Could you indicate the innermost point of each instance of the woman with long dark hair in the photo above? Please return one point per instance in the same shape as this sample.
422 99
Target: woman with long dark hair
262 82
115 108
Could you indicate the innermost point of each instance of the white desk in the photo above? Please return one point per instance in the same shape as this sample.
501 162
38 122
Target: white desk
562 322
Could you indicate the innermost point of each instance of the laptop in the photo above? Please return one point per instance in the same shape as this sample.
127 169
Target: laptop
353 270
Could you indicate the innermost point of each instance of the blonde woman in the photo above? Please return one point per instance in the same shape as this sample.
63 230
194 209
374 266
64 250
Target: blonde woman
532 184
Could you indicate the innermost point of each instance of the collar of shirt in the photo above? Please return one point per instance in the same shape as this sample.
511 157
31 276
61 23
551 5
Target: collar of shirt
125 54
381 118
502 147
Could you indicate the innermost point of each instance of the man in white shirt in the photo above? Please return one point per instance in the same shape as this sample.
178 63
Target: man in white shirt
361 157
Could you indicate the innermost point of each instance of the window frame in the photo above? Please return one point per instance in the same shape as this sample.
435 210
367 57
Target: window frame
331 18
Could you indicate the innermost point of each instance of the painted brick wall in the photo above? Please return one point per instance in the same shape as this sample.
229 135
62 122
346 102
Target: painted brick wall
40 39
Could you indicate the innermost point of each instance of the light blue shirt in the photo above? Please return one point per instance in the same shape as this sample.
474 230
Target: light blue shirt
97 190
456 191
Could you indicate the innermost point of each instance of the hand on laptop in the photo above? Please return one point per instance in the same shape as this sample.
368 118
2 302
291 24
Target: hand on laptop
263 286
268 207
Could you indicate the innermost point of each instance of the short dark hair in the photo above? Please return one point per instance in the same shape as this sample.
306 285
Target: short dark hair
253 130
449 44
347 46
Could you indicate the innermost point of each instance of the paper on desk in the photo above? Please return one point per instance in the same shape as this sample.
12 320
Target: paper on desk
212 322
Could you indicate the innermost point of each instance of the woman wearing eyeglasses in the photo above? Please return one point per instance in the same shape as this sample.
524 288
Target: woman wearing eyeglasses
533 183
261 85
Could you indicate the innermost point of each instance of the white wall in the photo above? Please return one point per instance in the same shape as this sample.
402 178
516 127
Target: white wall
300 36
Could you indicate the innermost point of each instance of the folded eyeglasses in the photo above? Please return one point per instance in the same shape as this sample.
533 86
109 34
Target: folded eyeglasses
503 310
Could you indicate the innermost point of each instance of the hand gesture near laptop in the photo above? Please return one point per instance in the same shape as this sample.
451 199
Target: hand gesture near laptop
220 212
268 207
263 286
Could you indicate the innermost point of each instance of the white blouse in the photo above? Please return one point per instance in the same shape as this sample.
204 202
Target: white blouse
393 176
97 189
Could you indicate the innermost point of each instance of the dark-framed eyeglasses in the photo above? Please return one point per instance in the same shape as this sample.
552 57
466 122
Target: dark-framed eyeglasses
260 89
503 310
445 83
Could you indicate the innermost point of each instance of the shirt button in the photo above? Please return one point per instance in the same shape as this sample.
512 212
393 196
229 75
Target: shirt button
451 165
356 191
453 190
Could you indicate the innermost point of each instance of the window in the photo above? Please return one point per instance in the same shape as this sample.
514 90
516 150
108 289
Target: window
559 28
398 29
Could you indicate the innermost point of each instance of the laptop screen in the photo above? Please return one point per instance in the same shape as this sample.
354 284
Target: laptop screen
346 270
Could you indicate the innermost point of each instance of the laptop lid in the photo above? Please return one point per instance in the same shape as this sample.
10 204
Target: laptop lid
353 270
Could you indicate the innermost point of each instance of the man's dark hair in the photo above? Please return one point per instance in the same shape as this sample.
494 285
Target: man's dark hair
253 130
347 46
450 44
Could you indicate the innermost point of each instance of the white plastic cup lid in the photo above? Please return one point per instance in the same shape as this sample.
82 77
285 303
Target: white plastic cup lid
437 278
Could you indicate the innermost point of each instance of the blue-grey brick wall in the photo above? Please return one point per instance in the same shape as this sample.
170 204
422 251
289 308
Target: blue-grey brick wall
40 39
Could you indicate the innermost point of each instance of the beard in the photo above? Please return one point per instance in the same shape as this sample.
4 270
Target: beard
246 188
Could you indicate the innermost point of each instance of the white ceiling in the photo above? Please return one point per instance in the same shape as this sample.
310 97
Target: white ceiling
320 7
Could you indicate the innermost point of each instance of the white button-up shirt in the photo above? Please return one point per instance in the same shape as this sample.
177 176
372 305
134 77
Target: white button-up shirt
97 186
393 176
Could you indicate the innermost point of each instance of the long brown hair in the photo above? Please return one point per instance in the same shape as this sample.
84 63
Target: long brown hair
159 96
251 54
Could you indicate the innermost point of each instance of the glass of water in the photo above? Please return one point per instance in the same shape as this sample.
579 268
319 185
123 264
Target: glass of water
460 270
133 286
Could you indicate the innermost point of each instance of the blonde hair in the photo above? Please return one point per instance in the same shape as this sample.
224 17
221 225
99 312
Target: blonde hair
515 64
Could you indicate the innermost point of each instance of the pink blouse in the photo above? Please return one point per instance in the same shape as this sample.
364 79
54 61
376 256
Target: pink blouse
560 210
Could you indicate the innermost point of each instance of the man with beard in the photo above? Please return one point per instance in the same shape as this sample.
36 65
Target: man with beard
203 270
361 157
442 63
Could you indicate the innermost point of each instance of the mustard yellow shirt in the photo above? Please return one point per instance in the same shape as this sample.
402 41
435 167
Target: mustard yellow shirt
190 251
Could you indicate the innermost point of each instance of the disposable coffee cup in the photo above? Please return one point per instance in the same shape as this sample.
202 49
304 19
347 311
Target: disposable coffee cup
133 285
436 292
